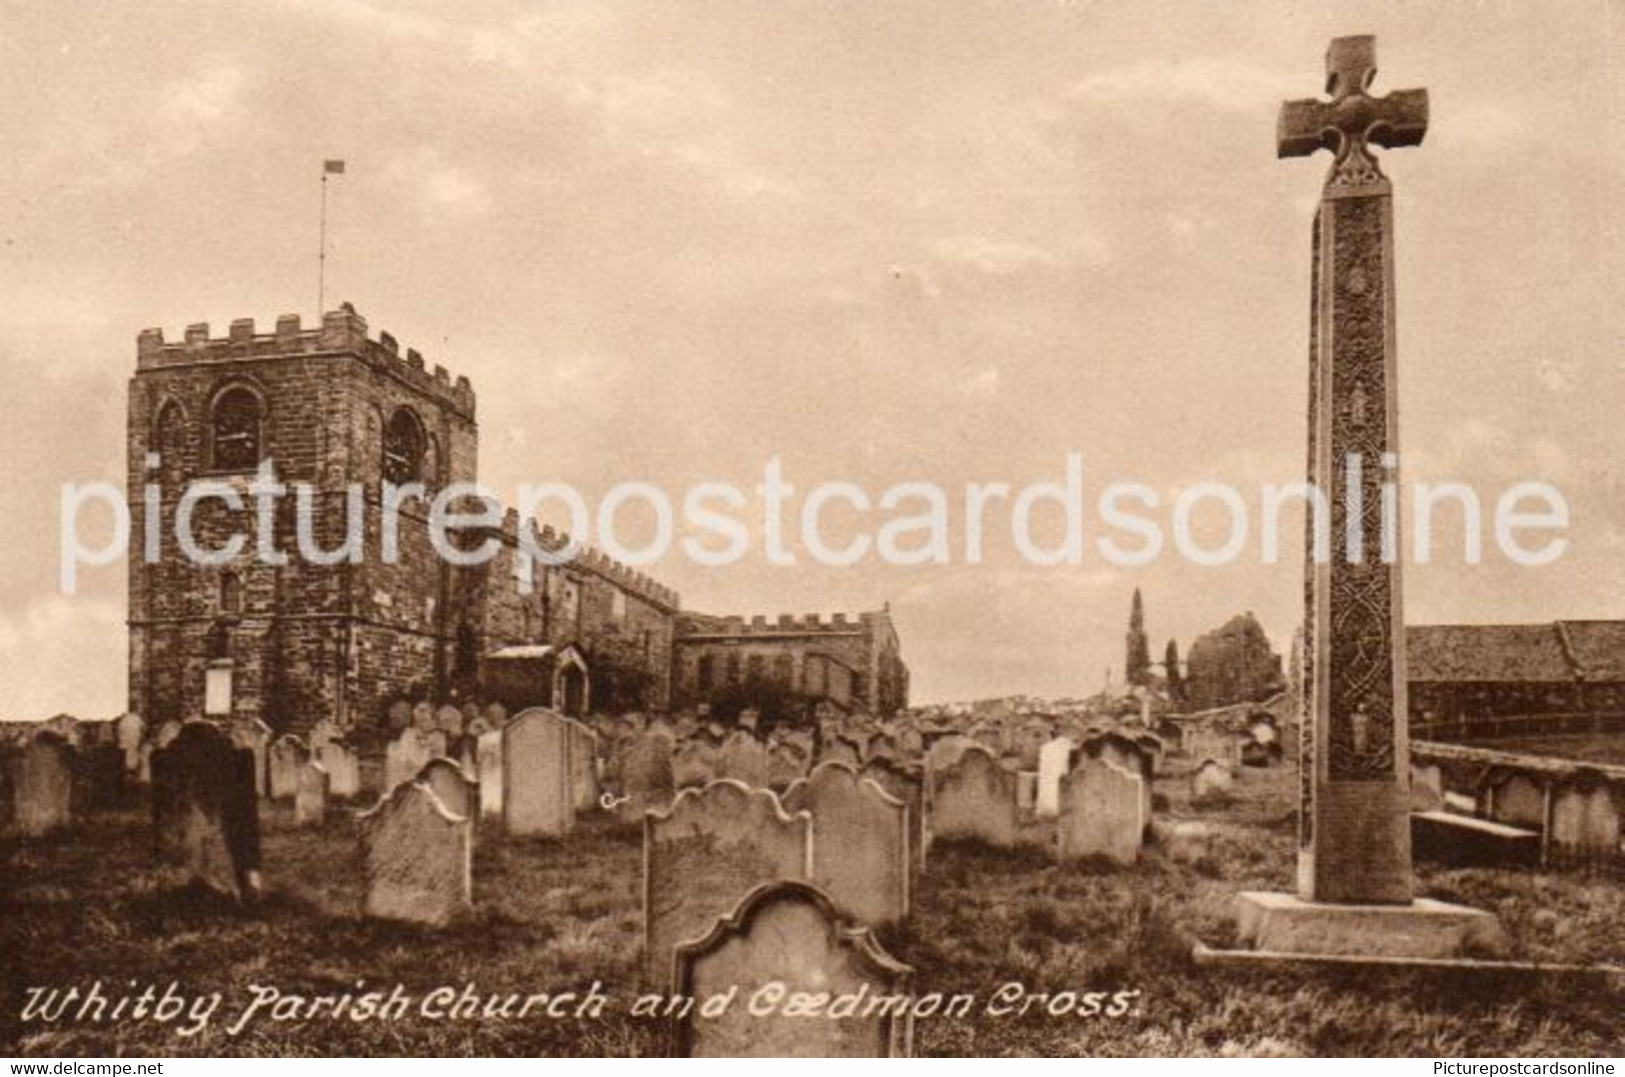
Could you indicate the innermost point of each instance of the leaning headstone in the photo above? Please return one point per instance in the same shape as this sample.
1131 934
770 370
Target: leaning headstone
789 933
975 798
712 847
417 858
42 785
287 756
310 798
861 857
1054 760
205 812
645 776
538 791
1102 813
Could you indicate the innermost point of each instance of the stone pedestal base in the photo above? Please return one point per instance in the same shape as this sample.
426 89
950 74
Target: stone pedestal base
1426 929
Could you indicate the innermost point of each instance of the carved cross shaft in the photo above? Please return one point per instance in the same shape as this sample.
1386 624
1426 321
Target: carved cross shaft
1353 119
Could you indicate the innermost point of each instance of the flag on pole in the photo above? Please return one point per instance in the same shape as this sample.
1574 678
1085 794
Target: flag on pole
333 168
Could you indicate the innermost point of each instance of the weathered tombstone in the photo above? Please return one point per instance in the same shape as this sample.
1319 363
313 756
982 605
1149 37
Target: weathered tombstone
310 797
417 857
287 756
1102 813
538 791
1026 790
1209 778
789 933
1518 799
694 763
128 729
945 751
839 750
906 783
712 847
456 793
343 768
1427 787
785 763
1585 817
861 855
975 798
744 759
583 766
1054 760
404 757
488 766
42 784
205 812
255 736
645 775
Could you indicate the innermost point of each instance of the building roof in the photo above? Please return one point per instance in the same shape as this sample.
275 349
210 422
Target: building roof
1597 647
1487 653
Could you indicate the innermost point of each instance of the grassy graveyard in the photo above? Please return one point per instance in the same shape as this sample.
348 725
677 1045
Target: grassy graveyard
556 915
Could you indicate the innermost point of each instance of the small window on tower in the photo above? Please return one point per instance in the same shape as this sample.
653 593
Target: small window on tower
236 430
403 448
231 593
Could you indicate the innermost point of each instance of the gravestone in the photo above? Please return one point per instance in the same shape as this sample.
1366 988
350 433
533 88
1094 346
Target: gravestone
343 768
1427 787
538 790
254 735
744 759
42 784
861 855
417 858
323 732
1355 880
166 734
1054 760
975 798
785 763
287 756
205 811
583 766
128 729
694 763
1102 813
906 783
1026 790
1210 777
488 769
404 757
310 797
456 793
792 934
945 751
645 776
839 750
1585 818
712 847
1518 799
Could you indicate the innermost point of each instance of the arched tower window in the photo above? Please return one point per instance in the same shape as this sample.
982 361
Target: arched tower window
403 448
231 593
235 429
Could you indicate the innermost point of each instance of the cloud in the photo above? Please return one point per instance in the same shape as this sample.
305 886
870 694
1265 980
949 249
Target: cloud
1222 83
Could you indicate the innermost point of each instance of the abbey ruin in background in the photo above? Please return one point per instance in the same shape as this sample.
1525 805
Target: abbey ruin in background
294 643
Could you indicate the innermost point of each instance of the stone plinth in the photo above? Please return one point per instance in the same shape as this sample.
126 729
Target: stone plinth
1423 929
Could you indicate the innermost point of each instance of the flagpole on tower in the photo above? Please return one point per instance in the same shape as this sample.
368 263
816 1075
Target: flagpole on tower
329 168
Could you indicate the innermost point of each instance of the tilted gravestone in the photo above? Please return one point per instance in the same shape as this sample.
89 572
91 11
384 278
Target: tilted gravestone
446 780
310 797
861 854
975 798
417 858
287 756
1102 813
711 848
42 780
538 790
790 933
205 812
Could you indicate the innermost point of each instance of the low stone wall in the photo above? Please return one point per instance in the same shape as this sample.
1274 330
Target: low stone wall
1577 808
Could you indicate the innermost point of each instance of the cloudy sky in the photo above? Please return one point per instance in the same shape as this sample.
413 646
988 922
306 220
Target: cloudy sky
883 242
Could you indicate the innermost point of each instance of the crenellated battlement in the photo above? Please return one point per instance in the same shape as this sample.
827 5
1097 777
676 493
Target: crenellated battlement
783 624
342 331
637 584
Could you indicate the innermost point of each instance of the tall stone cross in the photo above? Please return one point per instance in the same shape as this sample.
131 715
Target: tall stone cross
1354 831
